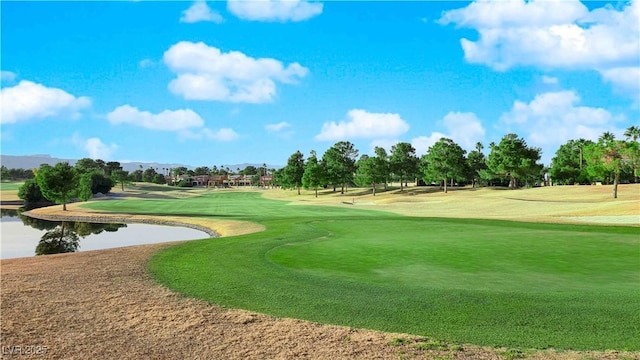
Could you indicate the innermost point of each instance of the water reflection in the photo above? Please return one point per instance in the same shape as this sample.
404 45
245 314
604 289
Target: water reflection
60 237
59 240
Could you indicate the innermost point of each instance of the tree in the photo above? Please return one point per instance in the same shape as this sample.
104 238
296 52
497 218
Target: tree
314 174
159 179
608 157
340 160
381 164
58 183
101 183
632 134
512 158
84 191
111 167
444 160
476 164
121 177
249 170
148 175
278 176
136 176
201 170
86 165
403 161
568 166
30 192
373 170
293 172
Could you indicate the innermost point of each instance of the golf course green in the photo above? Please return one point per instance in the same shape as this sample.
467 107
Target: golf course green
485 282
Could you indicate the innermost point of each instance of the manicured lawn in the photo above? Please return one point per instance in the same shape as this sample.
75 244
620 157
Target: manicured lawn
493 283
10 185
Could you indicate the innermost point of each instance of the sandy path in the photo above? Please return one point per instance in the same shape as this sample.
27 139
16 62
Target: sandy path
103 304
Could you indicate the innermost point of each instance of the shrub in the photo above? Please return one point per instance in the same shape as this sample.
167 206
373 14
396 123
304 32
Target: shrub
30 192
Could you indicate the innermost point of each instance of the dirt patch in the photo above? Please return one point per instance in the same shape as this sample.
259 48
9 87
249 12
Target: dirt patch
103 304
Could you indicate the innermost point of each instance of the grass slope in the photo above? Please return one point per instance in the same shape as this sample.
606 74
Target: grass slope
485 282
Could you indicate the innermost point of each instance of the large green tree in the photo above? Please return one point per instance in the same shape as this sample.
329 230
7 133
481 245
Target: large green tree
403 162
369 172
30 192
121 177
149 174
87 165
632 134
111 167
476 164
293 172
314 173
568 166
340 160
58 183
94 182
608 157
443 161
512 158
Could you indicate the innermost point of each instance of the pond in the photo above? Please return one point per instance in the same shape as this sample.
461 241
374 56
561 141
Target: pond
22 236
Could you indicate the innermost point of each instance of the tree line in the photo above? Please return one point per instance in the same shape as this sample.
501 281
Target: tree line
511 163
62 182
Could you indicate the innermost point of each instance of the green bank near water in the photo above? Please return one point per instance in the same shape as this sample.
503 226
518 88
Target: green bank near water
494 283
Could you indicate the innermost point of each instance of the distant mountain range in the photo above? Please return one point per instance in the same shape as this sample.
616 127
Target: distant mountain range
34 161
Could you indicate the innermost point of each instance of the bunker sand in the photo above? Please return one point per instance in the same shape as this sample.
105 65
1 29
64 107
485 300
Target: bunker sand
103 304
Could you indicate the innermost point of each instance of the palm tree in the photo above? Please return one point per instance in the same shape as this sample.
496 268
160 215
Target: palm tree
633 132
612 155
479 147
606 138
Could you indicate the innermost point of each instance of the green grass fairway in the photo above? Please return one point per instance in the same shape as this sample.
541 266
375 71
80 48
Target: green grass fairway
494 283
10 185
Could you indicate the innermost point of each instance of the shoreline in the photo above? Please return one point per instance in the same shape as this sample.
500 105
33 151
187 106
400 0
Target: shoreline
121 219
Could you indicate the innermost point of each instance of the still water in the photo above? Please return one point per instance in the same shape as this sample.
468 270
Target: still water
23 237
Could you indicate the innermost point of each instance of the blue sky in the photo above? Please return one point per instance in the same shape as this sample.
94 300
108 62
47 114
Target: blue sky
211 83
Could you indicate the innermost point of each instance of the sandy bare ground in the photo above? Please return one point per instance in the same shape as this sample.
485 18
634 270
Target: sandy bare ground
103 304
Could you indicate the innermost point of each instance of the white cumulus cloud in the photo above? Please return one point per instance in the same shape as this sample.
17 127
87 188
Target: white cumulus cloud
222 135
363 124
553 118
423 143
277 127
168 120
549 80
99 150
274 10
200 11
624 79
28 100
551 35
186 122
464 128
206 73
